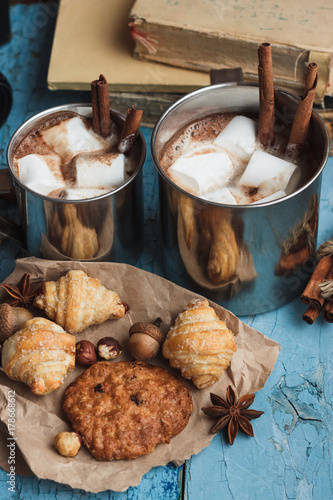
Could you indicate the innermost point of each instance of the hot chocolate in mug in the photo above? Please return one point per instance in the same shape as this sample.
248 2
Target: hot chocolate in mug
108 226
249 258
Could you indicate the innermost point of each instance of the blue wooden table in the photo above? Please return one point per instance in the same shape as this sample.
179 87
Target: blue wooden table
291 455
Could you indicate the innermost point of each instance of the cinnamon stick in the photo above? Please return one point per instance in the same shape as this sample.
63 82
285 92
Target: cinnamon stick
327 292
326 287
302 118
312 292
102 123
95 109
266 95
130 130
310 315
311 78
328 311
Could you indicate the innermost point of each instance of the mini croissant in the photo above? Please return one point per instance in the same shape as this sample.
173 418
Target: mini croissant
40 355
77 301
199 344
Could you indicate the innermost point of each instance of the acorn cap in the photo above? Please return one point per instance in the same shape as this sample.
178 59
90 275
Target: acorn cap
149 329
6 321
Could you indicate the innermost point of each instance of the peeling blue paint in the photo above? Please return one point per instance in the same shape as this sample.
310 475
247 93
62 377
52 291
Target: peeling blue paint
290 456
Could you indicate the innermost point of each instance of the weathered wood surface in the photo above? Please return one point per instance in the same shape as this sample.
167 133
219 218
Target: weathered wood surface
290 456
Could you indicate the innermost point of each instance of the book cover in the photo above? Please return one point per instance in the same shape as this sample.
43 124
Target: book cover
93 37
205 34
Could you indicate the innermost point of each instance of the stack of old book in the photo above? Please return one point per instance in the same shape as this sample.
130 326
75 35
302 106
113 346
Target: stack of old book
151 51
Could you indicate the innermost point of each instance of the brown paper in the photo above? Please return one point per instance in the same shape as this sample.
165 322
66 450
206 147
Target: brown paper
21 466
40 418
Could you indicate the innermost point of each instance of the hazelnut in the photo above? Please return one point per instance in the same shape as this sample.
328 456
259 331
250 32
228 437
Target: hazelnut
109 348
68 444
145 341
85 354
12 319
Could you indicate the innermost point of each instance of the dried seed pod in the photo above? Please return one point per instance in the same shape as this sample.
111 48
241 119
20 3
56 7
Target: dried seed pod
12 319
145 341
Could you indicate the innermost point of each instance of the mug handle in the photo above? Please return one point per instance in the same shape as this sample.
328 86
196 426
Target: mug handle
8 228
226 75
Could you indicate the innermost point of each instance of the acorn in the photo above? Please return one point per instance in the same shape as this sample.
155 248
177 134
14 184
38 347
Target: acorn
145 341
12 319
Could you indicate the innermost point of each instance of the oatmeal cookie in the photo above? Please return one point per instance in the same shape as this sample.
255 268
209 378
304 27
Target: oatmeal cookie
124 409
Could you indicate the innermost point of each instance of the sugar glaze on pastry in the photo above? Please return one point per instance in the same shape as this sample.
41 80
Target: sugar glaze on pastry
77 301
40 355
199 344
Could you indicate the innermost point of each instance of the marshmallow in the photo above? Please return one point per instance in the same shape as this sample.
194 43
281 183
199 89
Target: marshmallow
267 172
201 173
71 136
82 194
295 181
41 173
201 149
238 138
271 197
103 171
222 195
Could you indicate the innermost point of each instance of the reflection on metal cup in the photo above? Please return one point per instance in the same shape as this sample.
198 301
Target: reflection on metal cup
249 258
107 227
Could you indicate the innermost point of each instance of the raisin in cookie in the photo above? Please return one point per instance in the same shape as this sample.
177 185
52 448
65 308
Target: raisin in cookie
123 410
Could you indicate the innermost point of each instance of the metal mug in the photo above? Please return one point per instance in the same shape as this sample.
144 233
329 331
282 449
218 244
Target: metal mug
275 241
108 227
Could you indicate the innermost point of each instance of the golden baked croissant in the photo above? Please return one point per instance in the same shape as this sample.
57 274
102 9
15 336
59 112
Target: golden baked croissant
77 301
40 355
199 344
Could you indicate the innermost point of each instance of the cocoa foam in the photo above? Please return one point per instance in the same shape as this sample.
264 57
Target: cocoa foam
206 129
35 144
202 131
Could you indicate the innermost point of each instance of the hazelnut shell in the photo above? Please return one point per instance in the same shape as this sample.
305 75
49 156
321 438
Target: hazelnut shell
85 353
109 348
68 444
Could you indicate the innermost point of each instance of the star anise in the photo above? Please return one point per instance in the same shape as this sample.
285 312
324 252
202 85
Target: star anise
23 294
235 414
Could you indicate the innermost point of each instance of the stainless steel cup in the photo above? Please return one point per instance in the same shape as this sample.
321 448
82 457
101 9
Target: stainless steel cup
108 227
274 242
